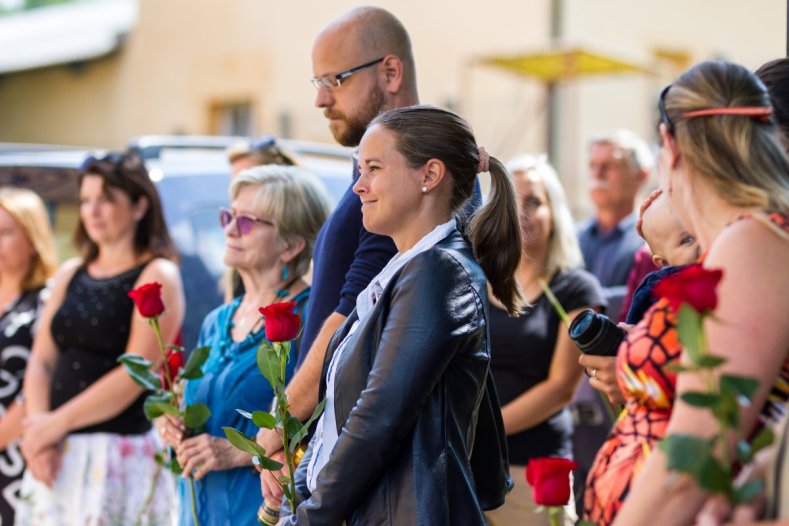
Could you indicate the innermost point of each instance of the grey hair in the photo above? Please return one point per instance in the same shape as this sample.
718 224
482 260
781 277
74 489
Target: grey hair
294 199
638 153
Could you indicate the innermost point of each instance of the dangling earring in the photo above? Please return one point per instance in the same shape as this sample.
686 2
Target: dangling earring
424 189
283 292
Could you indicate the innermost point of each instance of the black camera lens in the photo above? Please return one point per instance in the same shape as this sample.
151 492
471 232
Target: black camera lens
595 334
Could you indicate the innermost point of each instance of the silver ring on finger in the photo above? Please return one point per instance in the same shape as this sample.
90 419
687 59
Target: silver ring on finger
594 374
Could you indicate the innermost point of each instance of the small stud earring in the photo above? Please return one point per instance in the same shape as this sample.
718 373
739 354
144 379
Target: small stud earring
424 189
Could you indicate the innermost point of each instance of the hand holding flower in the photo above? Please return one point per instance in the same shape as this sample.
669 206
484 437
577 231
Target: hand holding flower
171 429
204 453
269 487
277 480
165 380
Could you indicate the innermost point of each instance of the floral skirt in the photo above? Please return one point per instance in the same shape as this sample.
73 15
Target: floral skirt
104 480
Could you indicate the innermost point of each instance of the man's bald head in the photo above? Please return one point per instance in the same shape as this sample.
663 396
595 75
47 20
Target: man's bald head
372 44
369 32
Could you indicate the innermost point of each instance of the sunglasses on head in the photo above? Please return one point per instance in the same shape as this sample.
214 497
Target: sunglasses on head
262 143
759 113
244 223
662 110
112 161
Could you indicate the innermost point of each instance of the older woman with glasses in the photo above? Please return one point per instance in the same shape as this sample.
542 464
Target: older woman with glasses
270 231
724 169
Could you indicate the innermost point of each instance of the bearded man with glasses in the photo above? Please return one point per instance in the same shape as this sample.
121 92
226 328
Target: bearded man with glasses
362 65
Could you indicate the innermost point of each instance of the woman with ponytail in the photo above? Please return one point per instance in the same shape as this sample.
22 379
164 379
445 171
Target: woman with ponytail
407 383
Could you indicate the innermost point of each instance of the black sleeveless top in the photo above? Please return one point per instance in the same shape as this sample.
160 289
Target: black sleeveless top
91 329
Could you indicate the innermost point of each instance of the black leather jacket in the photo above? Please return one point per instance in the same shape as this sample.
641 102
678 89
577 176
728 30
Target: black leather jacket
421 439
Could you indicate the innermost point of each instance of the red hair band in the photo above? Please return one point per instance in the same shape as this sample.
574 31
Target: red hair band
760 112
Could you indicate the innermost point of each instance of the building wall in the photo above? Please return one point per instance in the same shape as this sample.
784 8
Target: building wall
187 56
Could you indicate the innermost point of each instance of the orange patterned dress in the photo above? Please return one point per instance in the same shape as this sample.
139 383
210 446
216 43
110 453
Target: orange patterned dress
649 387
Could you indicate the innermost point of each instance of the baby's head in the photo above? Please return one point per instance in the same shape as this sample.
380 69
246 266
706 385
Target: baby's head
668 240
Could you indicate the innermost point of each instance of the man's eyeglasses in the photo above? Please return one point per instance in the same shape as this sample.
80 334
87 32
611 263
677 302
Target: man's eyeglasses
244 224
662 110
335 81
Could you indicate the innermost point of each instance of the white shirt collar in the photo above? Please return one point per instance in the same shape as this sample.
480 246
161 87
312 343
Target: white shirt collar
367 298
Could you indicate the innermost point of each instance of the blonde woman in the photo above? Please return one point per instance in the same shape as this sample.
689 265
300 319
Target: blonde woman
533 360
27 260
724 169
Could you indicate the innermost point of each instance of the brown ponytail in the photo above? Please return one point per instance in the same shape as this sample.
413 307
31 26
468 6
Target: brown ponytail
496 239
424 133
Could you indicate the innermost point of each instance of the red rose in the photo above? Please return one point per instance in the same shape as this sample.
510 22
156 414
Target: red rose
175 362
282 324
550 480
694 285
148 298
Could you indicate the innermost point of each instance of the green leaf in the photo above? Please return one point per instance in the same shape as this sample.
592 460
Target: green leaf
196 415
728 411
699 399
174 466
244 443
263 419
279 392
293 425
176 348
747 491
742 386
685 452
689 329
296 439
269 365
169 463
713 476
134 360
139 369
710 361
286 492
268 464
159 404
744 451
194 365
762 439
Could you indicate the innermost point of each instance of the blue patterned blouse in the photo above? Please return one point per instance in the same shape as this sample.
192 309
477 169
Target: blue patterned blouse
231 381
